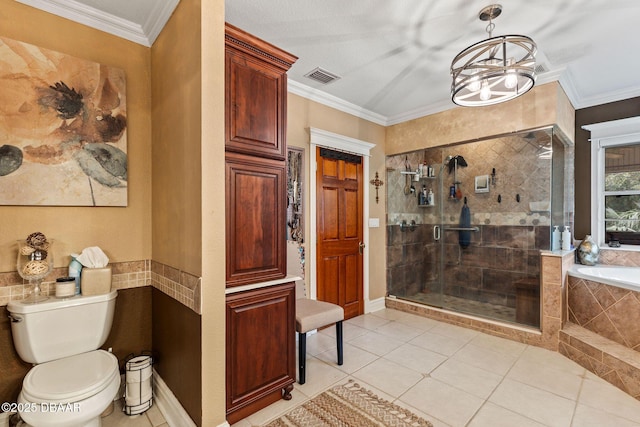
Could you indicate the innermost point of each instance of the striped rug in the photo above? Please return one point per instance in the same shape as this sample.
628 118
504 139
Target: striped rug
349 405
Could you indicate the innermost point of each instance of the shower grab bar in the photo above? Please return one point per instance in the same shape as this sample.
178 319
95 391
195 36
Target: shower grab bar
476 229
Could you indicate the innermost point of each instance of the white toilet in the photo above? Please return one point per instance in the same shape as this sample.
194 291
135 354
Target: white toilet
72 382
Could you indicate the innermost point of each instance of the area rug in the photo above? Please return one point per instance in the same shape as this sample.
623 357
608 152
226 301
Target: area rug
349 405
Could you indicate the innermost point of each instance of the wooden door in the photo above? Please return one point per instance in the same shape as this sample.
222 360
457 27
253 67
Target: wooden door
339 230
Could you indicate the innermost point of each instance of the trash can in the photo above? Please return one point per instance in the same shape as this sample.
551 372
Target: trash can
138 394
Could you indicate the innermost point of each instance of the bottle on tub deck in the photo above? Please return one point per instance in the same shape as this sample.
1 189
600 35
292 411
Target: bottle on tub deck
555 240
566 239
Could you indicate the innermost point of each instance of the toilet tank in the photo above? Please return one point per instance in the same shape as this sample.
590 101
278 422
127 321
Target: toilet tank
56 328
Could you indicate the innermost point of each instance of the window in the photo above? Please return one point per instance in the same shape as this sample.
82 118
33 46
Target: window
615 181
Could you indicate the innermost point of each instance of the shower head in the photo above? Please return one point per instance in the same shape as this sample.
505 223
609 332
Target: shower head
447 160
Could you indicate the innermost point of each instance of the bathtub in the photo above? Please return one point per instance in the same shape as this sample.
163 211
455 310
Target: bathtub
614 275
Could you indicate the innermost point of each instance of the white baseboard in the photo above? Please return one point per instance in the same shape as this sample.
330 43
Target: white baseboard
374 305
171 409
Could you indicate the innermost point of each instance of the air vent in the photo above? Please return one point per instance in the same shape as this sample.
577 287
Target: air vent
541 68
322 76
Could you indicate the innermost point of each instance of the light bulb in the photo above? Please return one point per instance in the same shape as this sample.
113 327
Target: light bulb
485 92
510 81
474 86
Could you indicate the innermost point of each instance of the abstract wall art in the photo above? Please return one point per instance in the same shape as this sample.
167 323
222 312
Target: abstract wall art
63 129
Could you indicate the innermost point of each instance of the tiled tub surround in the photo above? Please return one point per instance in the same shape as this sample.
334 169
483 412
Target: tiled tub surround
602 332
179 285
499 261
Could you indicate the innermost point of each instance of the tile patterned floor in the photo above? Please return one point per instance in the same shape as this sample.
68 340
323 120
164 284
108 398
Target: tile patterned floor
458 377
151 418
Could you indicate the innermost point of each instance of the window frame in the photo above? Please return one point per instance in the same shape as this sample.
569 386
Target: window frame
616 133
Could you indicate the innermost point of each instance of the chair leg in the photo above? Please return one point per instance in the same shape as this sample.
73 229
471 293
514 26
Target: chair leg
339 341
302 357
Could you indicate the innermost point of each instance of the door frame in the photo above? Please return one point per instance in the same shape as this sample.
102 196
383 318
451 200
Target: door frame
334 141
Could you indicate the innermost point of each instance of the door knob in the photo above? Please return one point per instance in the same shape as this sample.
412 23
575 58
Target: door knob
360 248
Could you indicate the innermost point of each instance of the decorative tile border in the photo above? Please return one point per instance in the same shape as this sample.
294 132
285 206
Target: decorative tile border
618 257
179 285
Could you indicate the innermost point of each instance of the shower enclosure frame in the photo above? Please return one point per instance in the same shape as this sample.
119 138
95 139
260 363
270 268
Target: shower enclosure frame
441 231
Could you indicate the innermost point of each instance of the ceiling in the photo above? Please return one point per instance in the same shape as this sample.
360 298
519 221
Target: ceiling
393 56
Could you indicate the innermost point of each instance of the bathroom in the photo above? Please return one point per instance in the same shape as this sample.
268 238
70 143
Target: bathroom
167 244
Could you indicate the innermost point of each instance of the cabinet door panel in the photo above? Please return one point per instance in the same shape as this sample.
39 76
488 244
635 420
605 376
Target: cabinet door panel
260 347
255 107
255 226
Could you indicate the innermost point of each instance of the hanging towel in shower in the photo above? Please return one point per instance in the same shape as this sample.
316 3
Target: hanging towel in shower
465 222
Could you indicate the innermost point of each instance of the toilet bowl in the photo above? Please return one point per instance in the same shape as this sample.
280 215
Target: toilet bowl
72 381
72 391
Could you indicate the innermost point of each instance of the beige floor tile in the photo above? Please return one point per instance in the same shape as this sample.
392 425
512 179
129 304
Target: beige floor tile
155 416
491 415
391 314
552 359
534 403
604 396
417 358
454 331
376 343
443 402
354 358
349 331
388 376
587 416
439 343
120 419
320 376
547 377
485 358
471 379
318 343
499 345
419 322
399 331
368 321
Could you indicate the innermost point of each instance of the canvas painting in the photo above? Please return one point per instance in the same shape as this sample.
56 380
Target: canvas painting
63 129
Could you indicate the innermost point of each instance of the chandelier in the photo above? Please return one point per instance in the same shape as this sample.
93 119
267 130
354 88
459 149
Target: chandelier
494 70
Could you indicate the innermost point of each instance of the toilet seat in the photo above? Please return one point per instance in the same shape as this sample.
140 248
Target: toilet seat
71 379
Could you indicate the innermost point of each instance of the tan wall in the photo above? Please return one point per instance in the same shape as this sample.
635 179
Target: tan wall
188 182
213 214
123 233
544 105
176 180
303 114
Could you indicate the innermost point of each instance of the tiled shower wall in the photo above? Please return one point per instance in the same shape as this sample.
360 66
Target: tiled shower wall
489 270
514 217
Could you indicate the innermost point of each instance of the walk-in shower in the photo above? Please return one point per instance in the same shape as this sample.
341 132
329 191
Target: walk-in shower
473 246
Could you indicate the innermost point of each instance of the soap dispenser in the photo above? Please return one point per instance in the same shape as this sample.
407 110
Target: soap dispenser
566 239
555 240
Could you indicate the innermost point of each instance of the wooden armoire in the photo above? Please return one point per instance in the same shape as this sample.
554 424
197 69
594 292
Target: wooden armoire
260 299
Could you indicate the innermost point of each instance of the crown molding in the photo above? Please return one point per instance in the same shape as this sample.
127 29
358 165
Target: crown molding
142 34
334 102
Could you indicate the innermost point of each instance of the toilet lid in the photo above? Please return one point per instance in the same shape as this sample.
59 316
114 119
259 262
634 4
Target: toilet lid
70 379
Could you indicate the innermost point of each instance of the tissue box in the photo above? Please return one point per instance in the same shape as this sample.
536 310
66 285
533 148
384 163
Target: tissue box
95 281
